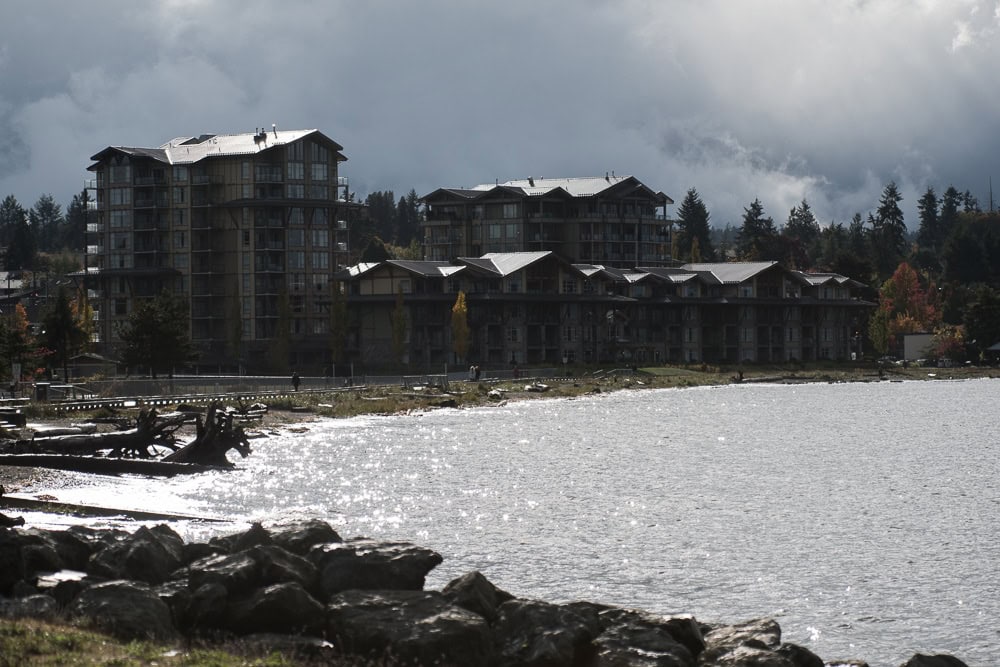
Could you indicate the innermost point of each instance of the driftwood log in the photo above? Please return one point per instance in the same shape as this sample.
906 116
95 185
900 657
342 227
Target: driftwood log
151 429
215 437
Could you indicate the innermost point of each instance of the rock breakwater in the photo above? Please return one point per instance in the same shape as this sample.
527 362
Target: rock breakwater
303 589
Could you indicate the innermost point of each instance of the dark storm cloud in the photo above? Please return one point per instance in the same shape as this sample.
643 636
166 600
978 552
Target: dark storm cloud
776 99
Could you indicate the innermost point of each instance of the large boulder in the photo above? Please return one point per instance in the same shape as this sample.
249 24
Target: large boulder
285 607
256 567
126 610
11 562
33 606
940 660
302 536
410 627
476 593
148 555
253 536
635 637
531 632
370 565
753 643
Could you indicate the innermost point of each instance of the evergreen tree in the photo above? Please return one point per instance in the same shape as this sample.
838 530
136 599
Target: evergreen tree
46 221
375 251
12 215
802 225
757 234
23 250
63 333
71 234
155 335
929 232
338 322
949 215
982 320
888 234
692 223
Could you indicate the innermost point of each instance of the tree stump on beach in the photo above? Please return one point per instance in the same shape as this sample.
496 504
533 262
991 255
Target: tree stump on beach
215 437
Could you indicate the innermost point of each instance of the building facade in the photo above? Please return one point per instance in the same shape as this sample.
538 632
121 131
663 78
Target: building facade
537 308
613 221
248 229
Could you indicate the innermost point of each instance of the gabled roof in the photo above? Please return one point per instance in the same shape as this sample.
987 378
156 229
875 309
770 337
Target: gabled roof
730 272
817 279
505 263
188 150
426 268
554 187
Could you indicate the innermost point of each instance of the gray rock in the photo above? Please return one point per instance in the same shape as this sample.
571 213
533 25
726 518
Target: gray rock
147 555
530 632
206 607
279 566
126 610
800 656
753 643
637 637
238 573
369 565
253 536
300 537
939 660
284 607
33 606
11 562
476 593
408 627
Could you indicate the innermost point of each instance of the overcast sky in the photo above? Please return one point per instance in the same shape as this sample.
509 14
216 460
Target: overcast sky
826 100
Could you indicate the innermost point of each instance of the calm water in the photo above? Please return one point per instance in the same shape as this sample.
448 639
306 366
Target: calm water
863 517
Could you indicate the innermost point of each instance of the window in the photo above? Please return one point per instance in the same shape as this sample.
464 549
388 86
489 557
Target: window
513 335
121 219
121 173
180 174
494 231
121 306
321 218
181 260
320 171
296 191
746 334
295 151
120 241
512 230
569 334
513 284
180 220
180 195
510 211
296 238
297 282
297 260
321 260
321 238
746 291
690 290
246 191
121 196
320 281
319 153
245 170
180 240
295 217
296 171
569 286
319 191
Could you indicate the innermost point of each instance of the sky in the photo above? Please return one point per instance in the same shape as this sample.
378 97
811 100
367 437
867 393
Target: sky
781 100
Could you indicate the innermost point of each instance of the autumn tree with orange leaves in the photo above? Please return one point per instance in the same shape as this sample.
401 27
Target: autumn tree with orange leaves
904 307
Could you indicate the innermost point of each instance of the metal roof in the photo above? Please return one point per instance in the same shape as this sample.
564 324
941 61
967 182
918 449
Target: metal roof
730 272
577 187
429 268
505 263
188 150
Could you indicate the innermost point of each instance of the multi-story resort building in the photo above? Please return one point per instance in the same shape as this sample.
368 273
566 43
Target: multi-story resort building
538 308
248 229
613 221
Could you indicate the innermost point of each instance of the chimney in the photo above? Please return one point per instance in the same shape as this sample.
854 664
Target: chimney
274 128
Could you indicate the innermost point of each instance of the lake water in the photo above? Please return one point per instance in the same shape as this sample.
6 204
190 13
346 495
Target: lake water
863 517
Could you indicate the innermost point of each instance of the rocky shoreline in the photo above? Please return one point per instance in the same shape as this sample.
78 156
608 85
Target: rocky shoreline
304 590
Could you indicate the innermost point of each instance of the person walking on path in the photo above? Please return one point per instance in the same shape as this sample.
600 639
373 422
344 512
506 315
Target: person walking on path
296 381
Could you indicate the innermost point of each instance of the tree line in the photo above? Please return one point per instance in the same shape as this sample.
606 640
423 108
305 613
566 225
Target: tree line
942 278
